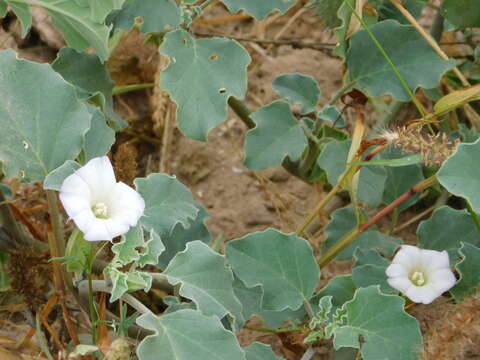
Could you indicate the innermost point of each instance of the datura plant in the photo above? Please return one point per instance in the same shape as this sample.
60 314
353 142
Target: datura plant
58 127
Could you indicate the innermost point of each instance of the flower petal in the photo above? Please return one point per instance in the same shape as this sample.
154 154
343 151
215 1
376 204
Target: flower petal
400 283
427 294
74 203
394 270
84 220
97 231
408 256
442 279
116 228
432 259
127 205
99 176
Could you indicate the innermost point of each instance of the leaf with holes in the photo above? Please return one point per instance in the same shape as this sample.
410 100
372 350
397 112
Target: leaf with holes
167 203
187 335
388 332
156 15
282 264
206 280
372 73
39 134
259 9
201 76
278 134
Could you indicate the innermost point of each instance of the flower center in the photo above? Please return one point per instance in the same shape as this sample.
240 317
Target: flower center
417 278
100 210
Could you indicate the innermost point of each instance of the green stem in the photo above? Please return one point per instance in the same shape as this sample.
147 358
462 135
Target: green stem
91 300
117 90
347 239
389 61
205 4
338 95
242 111
473 215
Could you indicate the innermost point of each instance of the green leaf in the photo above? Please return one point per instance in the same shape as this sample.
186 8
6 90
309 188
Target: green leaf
251 300
73 19
123 282
333 159
388 332
332 114
200 78
99 138
371 274
177 240
372 73
54 180
4 278
282 264
157 15
100 9
152 250
119 282
167 203
402 161
400 180
342 221
387 10
259 351
469 270
327 11
90 77
298 89
3 8
259 9
187 335
6 191
461 13
126 250
278 134
341 288
41 118
206 280
441 231
460 175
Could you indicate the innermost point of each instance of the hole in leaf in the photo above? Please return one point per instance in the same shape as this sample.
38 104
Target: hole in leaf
174 59
138 20
222 90
25 144
21 173
214 57
184 41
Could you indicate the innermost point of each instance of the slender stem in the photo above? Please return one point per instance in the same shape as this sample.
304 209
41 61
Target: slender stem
242 111
273 331
308 309
319 208
310 353
117 90
347 239
91 300
473 215
55 219
338 95
389 61
9 223
206 3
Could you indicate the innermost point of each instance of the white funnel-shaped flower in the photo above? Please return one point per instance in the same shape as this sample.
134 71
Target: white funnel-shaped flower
421 275
101 207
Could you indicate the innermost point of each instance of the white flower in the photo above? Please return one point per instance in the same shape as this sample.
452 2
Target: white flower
421 275
101 207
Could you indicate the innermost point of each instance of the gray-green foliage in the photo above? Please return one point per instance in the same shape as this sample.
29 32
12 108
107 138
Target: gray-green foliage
447 229
259 351
410 53
39 134
298 89
259 9
370 269
469 270
342 221
201 76
282 264
187 334
278 134
156 15
461 13
167 203
387 331
74 19
461 176
206 280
